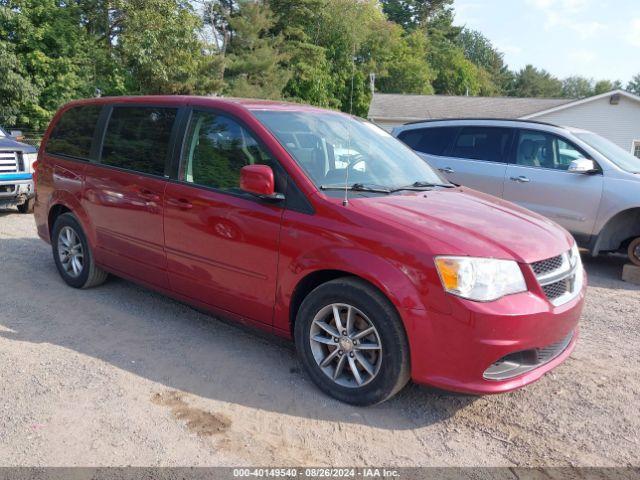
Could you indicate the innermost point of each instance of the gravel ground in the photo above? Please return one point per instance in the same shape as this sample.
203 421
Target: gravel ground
119 376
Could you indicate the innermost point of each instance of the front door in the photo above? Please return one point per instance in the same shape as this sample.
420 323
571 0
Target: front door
538 179
124 192
221 243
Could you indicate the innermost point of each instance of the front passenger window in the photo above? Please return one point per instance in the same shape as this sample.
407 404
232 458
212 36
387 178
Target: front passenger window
217 148
545 150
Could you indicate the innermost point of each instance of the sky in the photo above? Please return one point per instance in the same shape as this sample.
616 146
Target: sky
597 39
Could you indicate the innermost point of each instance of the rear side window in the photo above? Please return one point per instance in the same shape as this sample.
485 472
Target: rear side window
73 134
138 138
482 143
433 141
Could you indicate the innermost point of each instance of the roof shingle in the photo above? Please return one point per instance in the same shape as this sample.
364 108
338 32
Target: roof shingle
398 107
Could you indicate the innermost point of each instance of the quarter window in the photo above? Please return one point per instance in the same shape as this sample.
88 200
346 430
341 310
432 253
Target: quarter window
217 148
636 148
433 141
545 150
138 139
482 143
73 134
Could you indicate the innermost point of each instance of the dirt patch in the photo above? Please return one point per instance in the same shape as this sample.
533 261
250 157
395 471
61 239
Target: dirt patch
198 421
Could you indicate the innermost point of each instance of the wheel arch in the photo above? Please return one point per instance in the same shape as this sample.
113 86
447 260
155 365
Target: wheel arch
64 202
621 228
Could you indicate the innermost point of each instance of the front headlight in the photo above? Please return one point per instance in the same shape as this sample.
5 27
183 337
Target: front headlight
480 279
29 160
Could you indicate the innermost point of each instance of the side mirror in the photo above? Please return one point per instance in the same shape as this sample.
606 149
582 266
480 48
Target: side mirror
258 180
582 165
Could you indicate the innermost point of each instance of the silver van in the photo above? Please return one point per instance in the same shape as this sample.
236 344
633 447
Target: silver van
577 178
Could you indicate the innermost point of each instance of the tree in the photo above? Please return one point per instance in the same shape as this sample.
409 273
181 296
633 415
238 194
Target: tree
160 51
17 94
480 51
604 86
577 87
533 82
634 85
255 57
412 14
52 50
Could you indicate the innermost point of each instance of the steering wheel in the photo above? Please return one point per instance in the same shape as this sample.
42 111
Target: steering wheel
357 159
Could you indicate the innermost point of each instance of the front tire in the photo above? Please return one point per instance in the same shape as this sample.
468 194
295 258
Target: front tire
634 251
27 206
352 343
73 255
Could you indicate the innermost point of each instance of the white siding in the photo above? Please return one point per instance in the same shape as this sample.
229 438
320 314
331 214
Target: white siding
619 123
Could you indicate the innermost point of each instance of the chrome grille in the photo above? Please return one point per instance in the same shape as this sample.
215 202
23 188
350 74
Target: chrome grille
557 289
560 277
8 162
546 266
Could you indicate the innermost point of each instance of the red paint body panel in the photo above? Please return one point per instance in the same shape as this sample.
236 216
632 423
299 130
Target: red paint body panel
244 259
223 250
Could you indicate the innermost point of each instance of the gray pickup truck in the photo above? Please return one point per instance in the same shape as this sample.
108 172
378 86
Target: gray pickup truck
580 180
16 170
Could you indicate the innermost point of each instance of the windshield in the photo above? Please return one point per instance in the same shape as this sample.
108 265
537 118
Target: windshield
333 149
2 132
613 152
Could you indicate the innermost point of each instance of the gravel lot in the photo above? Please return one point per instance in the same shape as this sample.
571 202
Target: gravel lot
119 375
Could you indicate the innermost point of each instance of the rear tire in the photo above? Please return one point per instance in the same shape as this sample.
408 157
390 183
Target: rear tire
634 251
73 255
27 206
361 359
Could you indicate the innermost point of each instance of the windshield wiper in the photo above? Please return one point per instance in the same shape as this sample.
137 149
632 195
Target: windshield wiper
419 186
357 187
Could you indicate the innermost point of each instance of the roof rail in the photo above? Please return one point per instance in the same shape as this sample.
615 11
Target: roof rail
429 120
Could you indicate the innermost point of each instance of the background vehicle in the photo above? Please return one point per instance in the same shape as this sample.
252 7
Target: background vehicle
582 181
16 168
238 207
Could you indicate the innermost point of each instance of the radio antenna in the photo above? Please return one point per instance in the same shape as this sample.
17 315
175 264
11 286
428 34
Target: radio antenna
345 201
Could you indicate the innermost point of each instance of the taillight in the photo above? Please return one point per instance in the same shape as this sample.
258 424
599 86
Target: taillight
34 173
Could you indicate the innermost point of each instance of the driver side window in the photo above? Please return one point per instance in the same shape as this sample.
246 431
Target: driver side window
545 150
216 149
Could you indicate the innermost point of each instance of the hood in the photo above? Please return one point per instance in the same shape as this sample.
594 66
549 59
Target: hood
8 143
462 221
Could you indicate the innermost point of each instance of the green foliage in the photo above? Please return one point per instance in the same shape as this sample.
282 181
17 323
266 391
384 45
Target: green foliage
255 56
577 87
604 86
412 14
634 85
321 52
160 53
533 82
17 94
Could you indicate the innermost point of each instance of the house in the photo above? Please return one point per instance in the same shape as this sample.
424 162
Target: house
614 115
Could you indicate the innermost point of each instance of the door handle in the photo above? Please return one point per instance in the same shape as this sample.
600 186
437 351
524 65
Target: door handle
148 195
447 170
520 179
180 203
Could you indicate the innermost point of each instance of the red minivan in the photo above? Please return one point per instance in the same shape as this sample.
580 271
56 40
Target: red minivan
316 226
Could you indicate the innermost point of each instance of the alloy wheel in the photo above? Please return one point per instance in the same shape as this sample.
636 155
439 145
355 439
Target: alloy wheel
70 252
346 345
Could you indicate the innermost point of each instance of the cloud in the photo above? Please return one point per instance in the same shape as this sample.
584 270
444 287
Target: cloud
564 13
583 56
634 33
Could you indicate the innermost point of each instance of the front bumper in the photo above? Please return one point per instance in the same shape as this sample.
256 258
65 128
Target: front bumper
455 350
15 189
